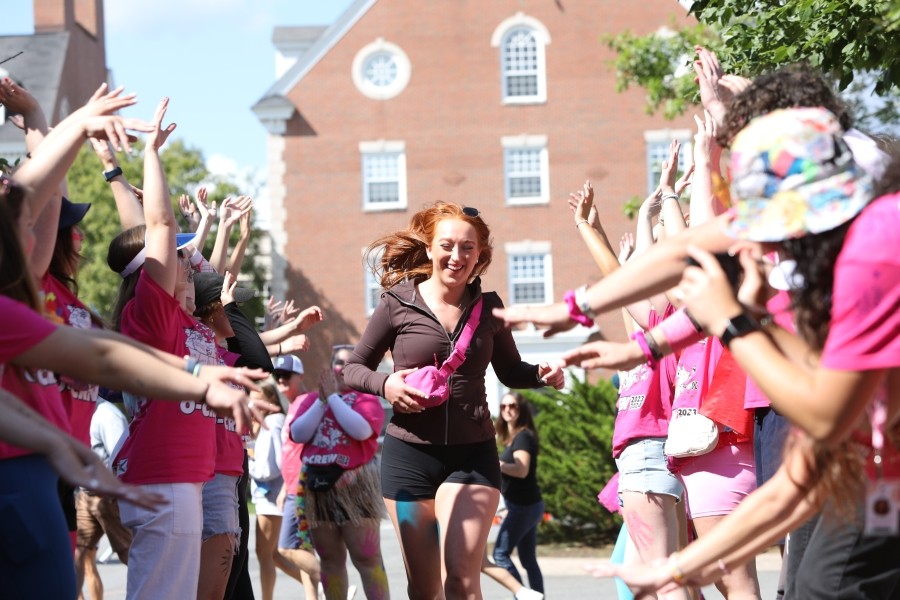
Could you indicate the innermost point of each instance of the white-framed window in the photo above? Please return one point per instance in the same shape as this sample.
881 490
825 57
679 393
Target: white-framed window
522 42
657 142
373 287
381 70
526 169
383 175
530 272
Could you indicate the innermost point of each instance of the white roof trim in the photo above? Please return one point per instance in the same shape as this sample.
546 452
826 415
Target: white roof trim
335 32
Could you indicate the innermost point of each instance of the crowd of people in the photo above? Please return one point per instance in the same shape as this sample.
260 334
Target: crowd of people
758 397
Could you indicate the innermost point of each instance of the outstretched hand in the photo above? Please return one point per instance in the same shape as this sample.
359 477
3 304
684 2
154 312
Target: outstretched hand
641 579
555 317
159 134
622 356
79 466
106 102
709 73
17 100
581 202
307 319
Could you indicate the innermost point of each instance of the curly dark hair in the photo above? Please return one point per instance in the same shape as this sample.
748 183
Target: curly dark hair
816 255
792 86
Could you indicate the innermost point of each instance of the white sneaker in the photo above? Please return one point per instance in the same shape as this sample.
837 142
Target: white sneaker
528 594
351 592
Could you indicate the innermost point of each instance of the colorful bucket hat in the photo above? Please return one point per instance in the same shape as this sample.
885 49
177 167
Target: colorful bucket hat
793 174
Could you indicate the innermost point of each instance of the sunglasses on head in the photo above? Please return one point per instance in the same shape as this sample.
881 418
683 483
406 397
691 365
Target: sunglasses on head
470 212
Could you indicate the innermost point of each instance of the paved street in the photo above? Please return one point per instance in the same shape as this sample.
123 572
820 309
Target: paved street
564 578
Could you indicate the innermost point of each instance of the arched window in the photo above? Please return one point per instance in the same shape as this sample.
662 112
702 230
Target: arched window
523 74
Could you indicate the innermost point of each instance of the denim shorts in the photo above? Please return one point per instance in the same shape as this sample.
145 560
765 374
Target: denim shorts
220 506
643 468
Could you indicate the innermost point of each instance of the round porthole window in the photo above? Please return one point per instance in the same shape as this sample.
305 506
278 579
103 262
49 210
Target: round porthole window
381 70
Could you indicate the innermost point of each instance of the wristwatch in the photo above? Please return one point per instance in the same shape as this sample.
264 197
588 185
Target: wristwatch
739 326
112 174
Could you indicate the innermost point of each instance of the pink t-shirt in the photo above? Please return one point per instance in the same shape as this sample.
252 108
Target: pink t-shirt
694 375
291 451
865 314
645 399
61 306
229 443
22 329
780 307
169 442
331 445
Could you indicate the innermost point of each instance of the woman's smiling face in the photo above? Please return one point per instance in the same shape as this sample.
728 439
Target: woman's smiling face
454 252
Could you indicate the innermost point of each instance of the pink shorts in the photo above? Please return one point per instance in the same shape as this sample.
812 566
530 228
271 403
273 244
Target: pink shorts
715 483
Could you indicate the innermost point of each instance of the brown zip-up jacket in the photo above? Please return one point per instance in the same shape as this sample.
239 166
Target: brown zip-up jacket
403 324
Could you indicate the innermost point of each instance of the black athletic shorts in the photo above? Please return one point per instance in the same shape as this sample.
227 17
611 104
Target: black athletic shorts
415 471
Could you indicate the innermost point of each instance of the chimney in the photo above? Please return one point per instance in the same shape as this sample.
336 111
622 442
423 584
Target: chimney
53 15
63 15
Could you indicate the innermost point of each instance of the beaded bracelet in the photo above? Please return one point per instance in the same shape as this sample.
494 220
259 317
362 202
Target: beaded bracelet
638 336
575 312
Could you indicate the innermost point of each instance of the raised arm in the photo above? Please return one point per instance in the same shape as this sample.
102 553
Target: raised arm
161 260
131 211
25 112
591 230
43 173
229 214
199 215
670 215
302 322
707 155
237 255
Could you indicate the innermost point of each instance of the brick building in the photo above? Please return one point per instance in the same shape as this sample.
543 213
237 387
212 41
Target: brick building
61 64
506 106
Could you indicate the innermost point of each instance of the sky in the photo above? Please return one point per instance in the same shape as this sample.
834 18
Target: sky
213 58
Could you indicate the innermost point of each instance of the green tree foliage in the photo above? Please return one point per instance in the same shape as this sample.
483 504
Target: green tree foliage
848 40
575 430
185 171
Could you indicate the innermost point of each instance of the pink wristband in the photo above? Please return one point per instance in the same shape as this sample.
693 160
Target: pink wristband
679 331
638 336
575 311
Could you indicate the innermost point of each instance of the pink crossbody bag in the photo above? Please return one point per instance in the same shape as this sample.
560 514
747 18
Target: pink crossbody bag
434 380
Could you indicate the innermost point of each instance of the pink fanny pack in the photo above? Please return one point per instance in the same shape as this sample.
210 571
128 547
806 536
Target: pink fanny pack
435 381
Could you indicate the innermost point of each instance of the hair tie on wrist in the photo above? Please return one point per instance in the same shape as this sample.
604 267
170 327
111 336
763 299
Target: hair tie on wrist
638 336
279 348
578 223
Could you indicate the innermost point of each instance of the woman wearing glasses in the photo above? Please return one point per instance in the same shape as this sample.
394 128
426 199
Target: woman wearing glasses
521 493
440 468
